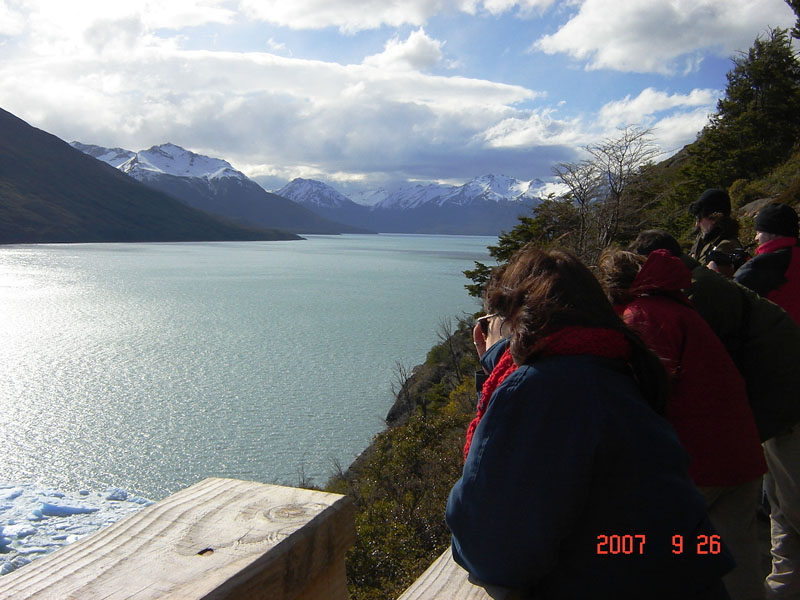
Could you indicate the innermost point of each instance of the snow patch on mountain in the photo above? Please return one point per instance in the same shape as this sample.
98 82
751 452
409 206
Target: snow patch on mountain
170 159
412 196
489 188
313 193
166 159
369 198
496 188
113 156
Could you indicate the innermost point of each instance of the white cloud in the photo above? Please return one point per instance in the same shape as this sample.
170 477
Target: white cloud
675 131
643 108
352 16
675 120
276 46
116 75
661 37
258 108
534 128
11 21
346 15
118 35
525 7
419 52
55 27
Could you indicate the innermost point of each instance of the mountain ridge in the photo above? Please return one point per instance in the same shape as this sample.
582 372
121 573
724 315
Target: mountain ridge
486 187
486 205
52 193
213 185
170 159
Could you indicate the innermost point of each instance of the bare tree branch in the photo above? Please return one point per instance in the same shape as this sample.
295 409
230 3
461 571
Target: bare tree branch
445 332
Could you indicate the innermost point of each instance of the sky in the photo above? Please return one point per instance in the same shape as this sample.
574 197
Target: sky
365 94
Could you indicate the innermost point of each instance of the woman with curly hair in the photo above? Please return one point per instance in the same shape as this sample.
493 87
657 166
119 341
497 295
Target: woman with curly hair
574 486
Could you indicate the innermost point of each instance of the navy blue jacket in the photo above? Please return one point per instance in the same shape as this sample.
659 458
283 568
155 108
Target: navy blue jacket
566 453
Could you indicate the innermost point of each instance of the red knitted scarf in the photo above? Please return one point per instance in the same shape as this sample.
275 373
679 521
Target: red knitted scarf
595 341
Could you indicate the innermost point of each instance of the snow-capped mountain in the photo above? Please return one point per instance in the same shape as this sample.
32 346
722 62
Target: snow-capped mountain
489 188
326 202
53 193
412 196
495 188
113 156
313 193
213 185
369 197
484 206
169 159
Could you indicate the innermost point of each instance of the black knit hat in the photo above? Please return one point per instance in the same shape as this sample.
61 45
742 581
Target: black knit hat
777 218
710 202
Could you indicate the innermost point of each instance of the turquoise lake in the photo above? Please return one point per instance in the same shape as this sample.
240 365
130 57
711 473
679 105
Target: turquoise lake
152 366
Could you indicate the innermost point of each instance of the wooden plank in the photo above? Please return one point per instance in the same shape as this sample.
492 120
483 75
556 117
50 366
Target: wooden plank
445 580
220 538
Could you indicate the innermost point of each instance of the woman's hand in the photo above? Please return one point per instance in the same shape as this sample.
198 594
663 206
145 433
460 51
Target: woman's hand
479 339
494 333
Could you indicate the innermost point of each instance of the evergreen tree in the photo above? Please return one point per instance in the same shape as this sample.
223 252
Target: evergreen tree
795 6
757 121
554 221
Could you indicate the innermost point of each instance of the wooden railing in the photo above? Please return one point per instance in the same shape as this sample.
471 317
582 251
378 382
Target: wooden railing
225 539
218 539
445 580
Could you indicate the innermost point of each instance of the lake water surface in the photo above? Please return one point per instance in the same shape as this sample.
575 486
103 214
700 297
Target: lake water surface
152 366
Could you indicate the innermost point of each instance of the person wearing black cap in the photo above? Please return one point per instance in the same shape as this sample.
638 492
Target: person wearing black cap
717 238
775 274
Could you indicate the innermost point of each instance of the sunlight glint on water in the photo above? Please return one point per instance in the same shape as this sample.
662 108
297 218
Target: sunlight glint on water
152 366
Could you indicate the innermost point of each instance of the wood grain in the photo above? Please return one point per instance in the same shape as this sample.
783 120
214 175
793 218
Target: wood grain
446 580
218 539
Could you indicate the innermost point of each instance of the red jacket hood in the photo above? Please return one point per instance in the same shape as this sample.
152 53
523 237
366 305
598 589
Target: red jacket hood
662 272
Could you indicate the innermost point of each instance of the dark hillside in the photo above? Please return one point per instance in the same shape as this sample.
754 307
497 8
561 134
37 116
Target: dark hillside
51 192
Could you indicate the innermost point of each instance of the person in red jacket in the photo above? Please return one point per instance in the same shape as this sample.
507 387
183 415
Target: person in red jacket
708 399
775 274
572 453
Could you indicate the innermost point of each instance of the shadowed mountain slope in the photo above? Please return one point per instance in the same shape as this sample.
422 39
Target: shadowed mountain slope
51 192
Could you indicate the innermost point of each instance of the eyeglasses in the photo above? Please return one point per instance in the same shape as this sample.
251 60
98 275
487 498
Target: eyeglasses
484 322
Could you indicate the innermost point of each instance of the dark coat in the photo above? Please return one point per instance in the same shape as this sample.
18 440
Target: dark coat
567 452
763 341
774 273
708 400
723 237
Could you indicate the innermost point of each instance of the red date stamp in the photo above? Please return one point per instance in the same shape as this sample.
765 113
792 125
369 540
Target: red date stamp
635 544
620 544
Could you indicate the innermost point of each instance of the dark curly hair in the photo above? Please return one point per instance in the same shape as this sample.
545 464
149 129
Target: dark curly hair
542 291
616 270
